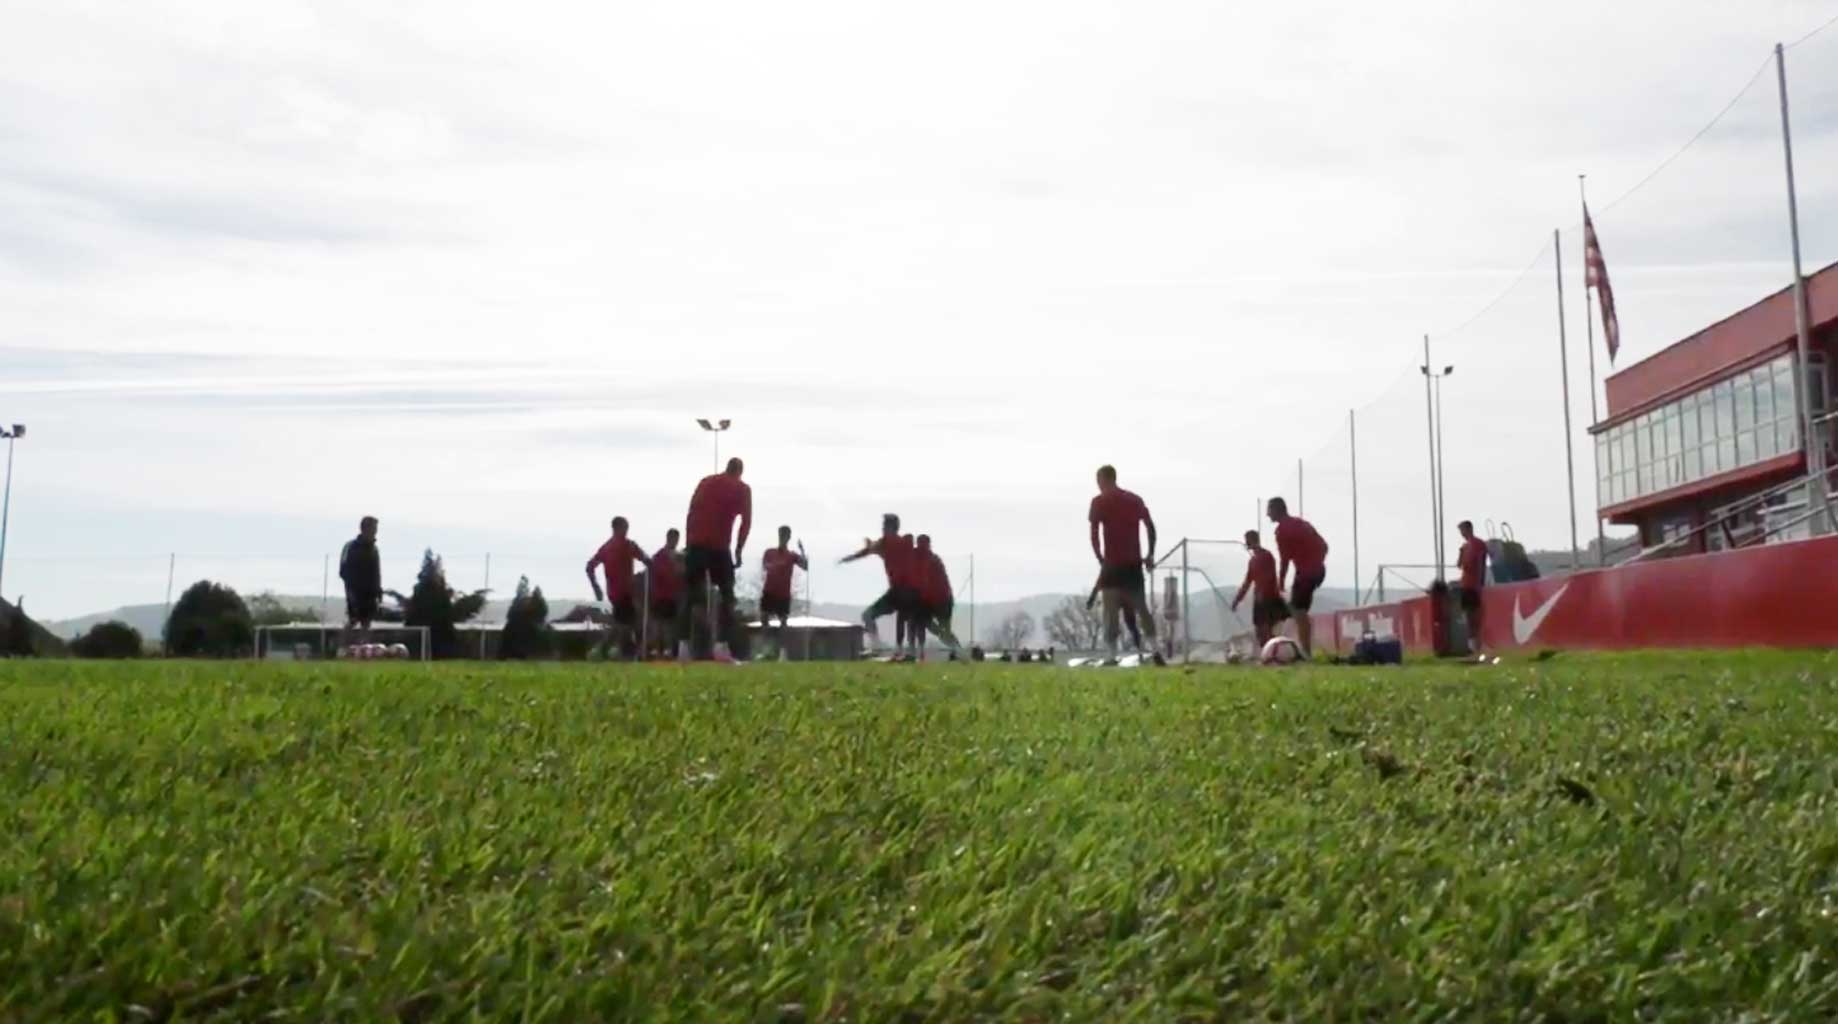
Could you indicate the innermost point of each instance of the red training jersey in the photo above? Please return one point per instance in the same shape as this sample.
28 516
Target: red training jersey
897 557
719 500
779 562
1119 513
1300 545
1260 575
1473 563
616 557
935 582
666 582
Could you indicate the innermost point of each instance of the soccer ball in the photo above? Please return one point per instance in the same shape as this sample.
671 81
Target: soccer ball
1281 651
398 650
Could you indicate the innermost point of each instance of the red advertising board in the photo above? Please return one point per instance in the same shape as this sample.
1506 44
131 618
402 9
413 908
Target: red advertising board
1774 595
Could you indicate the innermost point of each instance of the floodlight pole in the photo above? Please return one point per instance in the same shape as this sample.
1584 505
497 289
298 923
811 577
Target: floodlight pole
1815 451
1353 451
6 503
1563 363
1429 415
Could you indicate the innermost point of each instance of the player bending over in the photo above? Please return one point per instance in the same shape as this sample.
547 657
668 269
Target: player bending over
615 557
936 602
775 596
1298 544
719 500
1268 609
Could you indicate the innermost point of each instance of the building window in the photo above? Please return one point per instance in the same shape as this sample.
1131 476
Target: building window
1733 423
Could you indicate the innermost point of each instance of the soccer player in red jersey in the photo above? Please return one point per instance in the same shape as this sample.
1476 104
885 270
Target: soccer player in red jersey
616 557
1473 562
775 596
936 602
719 500
1115 517
901 598
1268 609
1298 544
666 576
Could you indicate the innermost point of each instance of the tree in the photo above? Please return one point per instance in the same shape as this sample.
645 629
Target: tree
111 639
526 624
1074 626
210 621
265 609
1012 631
437 606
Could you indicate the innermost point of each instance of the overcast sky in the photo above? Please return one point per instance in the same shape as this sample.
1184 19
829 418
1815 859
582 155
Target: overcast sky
475 268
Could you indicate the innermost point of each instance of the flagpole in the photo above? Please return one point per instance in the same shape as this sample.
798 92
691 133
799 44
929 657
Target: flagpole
1563 362
1595 417
1429 415
1815 452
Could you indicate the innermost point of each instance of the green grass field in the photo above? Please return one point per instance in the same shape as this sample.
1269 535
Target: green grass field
1592 838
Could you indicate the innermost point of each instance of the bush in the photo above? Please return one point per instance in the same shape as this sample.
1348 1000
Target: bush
210 621
438 606
109 639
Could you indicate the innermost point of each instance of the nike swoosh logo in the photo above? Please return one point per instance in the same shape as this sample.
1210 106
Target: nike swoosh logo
1524 626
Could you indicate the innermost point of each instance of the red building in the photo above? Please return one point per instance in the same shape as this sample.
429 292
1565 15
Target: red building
1697 430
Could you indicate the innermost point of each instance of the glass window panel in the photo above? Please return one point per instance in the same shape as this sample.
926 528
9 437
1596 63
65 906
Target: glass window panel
1694 465
1725 399
1783 390
1643 478
1745 447
1643 441
1765 442
1764 395
1787 432
1688 423
1726 454
1745 403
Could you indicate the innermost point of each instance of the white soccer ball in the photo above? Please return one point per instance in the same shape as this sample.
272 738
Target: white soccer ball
1281 651
398 650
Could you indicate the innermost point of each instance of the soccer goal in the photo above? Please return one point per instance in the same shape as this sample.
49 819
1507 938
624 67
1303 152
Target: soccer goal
1193 585
313 641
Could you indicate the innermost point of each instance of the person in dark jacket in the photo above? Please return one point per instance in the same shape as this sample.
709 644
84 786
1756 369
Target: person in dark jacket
361 569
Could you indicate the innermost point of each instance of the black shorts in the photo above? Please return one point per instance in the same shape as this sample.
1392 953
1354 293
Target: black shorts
625 612
704 566
940 612
771 607
1470 599
361 607
897 601
1127 578
1302 595
664 609
1268 612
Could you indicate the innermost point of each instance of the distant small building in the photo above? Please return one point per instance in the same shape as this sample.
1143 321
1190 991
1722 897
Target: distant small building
811 638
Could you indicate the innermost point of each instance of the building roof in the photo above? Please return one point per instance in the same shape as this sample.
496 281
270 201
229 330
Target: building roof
1721 348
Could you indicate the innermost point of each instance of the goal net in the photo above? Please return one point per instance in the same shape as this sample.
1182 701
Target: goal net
312 641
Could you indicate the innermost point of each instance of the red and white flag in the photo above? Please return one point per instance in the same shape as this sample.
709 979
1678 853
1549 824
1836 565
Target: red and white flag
1596 276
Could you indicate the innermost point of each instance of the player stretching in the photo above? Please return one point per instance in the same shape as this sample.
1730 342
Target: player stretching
896 558
1473 563
719 500
1268 609
1115 516
666 576
936 602
616 557
1298 544
775 596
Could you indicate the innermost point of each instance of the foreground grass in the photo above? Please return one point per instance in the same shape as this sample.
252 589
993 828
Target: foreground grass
1586 839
